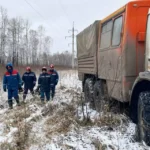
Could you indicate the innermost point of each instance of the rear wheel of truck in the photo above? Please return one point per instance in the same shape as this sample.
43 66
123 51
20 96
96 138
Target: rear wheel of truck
88 90
144 117
99 96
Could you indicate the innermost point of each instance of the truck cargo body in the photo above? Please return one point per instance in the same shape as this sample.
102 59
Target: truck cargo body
118 56
87 45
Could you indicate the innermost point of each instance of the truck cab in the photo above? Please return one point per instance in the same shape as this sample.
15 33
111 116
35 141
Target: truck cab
140 96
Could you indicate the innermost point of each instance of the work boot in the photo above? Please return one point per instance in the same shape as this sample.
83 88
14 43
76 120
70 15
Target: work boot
10 105
47 101
52 96
32 92
24 97
42 101
18 103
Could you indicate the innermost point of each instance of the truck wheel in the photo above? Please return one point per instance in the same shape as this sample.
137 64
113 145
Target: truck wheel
88 90
144 117
98 96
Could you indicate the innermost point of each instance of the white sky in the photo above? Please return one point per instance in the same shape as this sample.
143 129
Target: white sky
58 15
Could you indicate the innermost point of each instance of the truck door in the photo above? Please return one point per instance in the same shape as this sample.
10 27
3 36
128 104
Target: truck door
141 19
147 49
109 59
110 53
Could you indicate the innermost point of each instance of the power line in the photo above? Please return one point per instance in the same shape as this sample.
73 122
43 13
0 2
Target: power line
59 1
57 25
61 5
35 9
40 15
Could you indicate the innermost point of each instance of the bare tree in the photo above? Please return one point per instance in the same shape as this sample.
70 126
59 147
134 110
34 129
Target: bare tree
26 52
34 46
20 28
3 30
12 35
41 34
20 44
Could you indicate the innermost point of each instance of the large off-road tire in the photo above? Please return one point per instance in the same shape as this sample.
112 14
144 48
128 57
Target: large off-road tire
144 117
99 96
88 90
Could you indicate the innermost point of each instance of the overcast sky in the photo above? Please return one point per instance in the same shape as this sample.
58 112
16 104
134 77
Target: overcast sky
57 15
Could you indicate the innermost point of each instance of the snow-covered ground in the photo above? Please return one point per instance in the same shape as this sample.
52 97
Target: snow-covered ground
65 123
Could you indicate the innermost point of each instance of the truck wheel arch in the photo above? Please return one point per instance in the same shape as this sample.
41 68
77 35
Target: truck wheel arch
139 86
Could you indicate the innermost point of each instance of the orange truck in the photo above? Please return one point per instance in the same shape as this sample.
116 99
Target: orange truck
114 62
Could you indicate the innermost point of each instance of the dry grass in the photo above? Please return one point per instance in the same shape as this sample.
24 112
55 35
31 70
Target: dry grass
16 118
105 118
109 119
85 122
50 109
36 118
100 146
22 136
7 146
63 116
61 120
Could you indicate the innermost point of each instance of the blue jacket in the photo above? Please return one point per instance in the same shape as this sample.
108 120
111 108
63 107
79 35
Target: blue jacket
44 82
54 77
29 80
11 80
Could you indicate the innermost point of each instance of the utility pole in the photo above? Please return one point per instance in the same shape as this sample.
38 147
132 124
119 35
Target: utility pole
73 37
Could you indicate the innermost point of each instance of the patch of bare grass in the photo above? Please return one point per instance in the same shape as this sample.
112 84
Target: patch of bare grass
61 120
110 119
7 146
22 135
85 122
16 118
50 109
100 146
36 118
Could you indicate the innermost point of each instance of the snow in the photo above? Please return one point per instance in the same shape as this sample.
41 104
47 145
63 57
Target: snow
69 79
78 137
93 114
7 137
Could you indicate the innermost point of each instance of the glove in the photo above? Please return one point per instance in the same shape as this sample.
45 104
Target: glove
37 89
22 83
56 82
34 83
4 88
20 89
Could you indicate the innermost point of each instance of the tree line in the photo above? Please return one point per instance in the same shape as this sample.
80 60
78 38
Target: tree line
22 45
